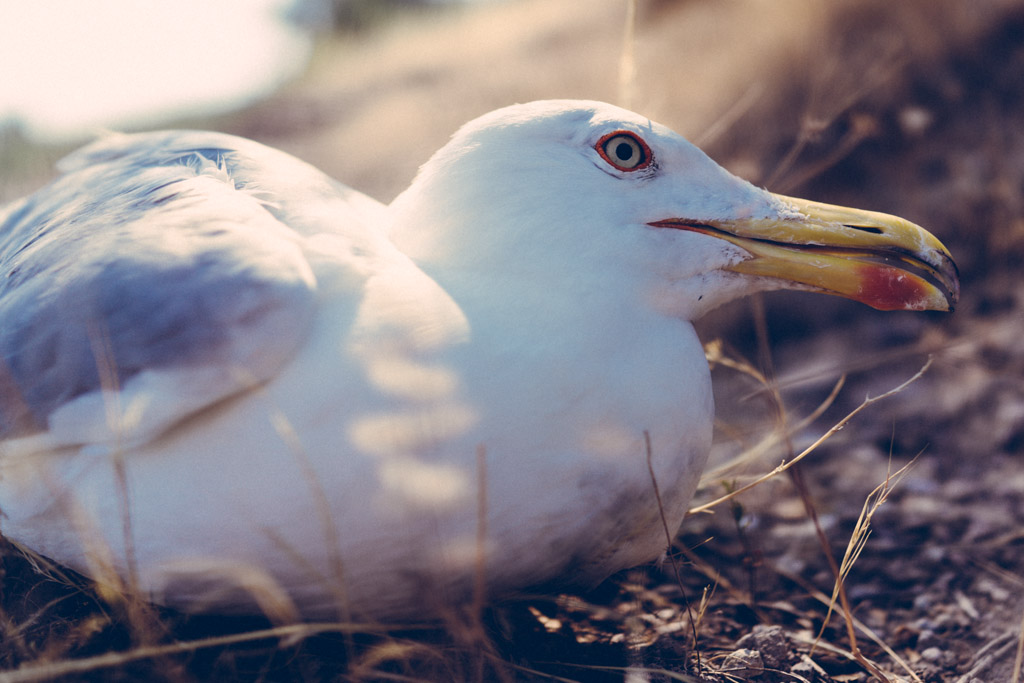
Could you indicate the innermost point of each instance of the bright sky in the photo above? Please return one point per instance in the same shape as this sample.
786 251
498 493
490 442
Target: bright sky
69 67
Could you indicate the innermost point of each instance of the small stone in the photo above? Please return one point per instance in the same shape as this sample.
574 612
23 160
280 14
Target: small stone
771 642
915 120
805 670
923 601
994 590
926 638
743 662
932 654
802 669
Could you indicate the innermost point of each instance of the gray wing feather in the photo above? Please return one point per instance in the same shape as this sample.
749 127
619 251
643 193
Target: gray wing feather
168 251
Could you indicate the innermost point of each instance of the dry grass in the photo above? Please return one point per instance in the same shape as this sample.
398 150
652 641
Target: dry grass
466 629
472 644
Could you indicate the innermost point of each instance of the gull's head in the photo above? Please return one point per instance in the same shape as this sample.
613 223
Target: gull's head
585 197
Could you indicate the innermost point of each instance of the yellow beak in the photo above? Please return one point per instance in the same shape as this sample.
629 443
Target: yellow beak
880 260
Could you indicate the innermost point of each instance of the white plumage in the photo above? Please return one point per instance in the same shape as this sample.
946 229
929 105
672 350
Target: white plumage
237 384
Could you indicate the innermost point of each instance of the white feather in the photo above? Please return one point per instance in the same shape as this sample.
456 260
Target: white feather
512 301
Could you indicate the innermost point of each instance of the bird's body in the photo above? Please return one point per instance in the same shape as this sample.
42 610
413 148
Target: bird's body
236 384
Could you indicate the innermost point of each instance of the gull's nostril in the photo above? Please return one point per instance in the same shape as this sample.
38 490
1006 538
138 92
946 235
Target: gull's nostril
866 228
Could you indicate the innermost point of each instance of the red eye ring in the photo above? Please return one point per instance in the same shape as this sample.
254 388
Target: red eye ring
625 150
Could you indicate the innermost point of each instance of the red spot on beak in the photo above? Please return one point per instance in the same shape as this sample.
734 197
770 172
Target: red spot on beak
891 289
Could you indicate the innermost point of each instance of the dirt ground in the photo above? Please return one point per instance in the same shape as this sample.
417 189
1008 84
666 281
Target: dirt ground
913 108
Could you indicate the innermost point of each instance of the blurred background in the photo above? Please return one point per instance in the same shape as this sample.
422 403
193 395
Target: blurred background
914 108
367 89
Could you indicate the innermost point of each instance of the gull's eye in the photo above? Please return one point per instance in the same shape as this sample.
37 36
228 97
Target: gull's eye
624 150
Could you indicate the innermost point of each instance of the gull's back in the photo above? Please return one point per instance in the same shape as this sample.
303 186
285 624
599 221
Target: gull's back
177 260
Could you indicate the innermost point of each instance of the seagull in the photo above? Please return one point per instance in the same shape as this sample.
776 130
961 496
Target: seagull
232 384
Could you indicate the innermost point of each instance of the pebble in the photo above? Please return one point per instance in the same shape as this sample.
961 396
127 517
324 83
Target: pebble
770 642
743 662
